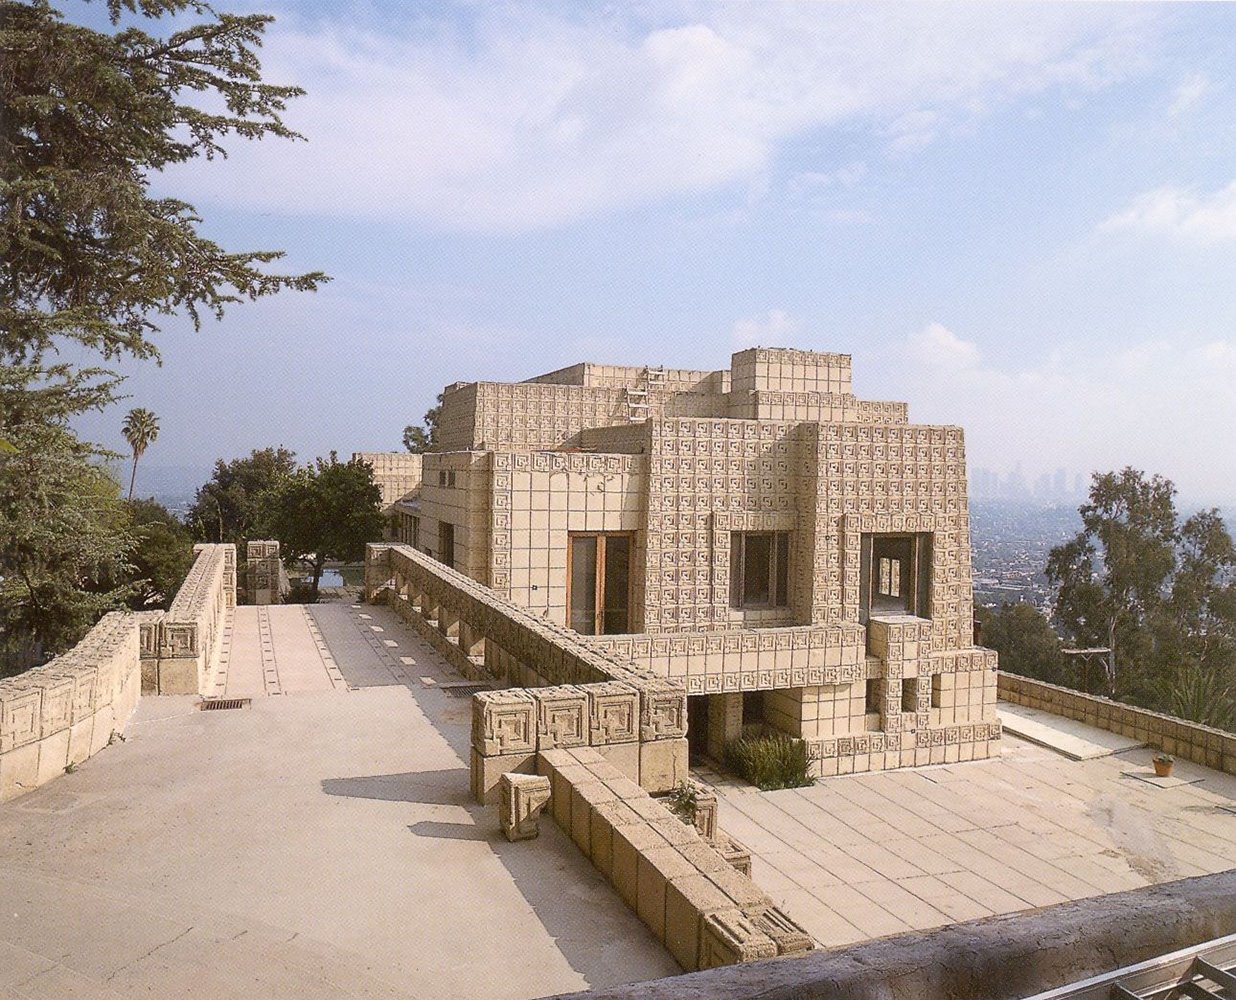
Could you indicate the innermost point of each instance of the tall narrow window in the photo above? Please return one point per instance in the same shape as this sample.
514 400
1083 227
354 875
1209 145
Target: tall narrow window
416 532
446 543
760 569
599 583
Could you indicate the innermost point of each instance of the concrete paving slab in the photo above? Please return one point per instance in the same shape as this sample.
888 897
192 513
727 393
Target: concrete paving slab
1028 828
320 844
1074 739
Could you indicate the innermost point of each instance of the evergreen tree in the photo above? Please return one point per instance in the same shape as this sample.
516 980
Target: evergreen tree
90 261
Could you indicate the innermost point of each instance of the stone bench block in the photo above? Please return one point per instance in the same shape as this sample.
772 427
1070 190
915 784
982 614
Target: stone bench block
789 938
585 797
622 757
663 764
729 936
604 819
522 797
734 854
662 711
687 900
21 713
562 716
657 867
742 892
486 772
613 713
629 843
504 722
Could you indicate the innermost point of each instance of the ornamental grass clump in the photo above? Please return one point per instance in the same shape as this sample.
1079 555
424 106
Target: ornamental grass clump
770 762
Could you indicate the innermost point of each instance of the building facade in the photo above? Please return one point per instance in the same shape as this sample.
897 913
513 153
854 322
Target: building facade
797 558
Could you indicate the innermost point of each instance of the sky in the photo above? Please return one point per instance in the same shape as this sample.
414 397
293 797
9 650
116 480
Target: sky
1019 218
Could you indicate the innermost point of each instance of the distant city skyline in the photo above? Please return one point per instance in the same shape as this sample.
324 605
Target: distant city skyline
1019 219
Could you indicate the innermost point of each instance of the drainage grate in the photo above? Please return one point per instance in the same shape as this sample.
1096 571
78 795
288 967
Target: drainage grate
222 704
463 690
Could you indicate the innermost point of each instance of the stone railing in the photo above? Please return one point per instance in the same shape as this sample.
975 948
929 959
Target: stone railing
638 727
705 912
567 692
483 635
55 716
180 647
1213 748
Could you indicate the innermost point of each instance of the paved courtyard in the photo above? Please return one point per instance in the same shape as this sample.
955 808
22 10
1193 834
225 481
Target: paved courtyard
319 844
869 855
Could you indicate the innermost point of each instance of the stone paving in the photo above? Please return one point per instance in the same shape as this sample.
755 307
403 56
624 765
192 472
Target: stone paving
869 855
321 843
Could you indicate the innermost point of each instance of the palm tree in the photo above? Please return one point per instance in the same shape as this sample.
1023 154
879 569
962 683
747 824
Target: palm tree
140 428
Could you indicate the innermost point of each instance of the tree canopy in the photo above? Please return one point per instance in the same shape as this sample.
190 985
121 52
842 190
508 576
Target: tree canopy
230 507
91 262
422 439
325 512
1160 593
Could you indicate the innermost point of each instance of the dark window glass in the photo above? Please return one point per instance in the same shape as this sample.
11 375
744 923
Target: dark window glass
616 593
584 584
446 543
757 570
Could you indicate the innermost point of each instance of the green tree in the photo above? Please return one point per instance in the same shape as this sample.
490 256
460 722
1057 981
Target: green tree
1026 642
161 557
229 508
1112 579
422 439
64 544
90 262
1161 594
325 512
140 429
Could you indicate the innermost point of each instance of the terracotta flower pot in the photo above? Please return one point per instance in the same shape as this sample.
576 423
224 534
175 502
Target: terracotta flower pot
1163 768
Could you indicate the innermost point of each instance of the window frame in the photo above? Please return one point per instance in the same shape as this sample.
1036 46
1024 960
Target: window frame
598 608
779 549
916 581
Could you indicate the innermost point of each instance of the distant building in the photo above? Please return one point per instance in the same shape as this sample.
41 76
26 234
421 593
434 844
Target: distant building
798 558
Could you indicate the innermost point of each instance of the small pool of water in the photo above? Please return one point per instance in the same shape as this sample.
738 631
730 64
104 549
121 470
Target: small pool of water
343 576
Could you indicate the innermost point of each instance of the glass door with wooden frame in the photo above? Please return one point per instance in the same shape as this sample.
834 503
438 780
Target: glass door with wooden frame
599 582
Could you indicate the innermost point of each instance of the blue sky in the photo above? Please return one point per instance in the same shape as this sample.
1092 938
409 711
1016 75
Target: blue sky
1019 218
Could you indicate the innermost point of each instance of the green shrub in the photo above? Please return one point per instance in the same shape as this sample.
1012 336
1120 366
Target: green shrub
770 762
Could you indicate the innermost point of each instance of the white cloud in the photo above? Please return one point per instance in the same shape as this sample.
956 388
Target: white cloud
938 347
524 118
1187 94
775 328
1179 214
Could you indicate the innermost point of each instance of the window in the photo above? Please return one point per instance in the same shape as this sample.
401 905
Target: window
759 569
896 575
937 689
416 532
909 694
446 543
599 583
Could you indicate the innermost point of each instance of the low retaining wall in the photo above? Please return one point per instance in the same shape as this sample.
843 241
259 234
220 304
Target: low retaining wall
180 647
1212 748
57 715
638 727
706 913
999 958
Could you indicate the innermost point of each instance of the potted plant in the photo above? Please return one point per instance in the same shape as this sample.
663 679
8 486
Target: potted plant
1163 764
